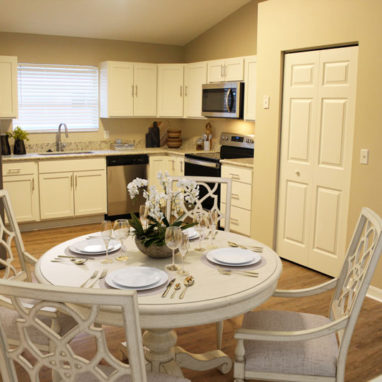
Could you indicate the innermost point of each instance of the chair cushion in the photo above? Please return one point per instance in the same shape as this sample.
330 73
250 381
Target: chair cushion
312 357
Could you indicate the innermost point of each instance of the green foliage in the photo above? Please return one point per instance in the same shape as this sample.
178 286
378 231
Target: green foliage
19 133
155 233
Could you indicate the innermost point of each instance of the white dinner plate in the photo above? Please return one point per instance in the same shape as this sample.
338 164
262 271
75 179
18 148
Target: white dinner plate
137 277
94 246
191 233
237 257
110 281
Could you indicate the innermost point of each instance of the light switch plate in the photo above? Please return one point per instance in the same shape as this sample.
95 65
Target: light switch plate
364 156
266 102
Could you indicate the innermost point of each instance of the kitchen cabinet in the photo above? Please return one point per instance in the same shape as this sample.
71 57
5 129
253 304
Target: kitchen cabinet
195 75
20 179
71 188
170 90
128 89
173 165
8 81
241 197
250 88
229 69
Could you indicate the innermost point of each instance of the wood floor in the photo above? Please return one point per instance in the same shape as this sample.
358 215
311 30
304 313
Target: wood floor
364 356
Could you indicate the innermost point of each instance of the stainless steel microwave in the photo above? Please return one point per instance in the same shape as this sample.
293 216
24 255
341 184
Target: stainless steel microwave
223 99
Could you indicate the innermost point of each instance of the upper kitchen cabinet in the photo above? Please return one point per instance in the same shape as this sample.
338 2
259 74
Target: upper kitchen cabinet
170 90
8 81
195 75
229 69
128 89
250 88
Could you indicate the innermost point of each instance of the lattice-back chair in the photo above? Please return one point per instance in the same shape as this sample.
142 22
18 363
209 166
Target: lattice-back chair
285 346
63 360
208 189
12 266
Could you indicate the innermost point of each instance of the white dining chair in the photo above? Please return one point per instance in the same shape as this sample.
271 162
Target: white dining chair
208 187
293 346
19 266
62 360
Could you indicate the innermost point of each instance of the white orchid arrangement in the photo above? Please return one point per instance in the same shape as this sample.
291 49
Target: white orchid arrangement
156 203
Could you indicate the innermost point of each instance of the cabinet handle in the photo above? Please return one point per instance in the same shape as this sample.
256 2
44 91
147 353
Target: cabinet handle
14 171
235 196
71 181
132 90
234 176
186 91
181 91
32 184
136 90
298 173
75 181
234 221
222 70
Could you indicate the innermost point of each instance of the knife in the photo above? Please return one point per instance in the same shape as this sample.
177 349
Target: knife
75 257
169 285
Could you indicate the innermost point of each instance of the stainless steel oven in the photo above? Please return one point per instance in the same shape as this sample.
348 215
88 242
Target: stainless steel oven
223 99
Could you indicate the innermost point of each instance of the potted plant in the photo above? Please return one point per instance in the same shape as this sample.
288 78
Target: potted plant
19 135
151 239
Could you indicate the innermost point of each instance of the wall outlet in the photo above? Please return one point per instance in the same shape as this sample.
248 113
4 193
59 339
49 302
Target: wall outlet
266 102
364 156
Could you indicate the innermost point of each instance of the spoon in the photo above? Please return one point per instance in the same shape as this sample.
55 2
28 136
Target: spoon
79 261
176 288
188 281
254 248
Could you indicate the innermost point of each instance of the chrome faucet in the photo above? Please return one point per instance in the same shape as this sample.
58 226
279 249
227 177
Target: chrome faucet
59 145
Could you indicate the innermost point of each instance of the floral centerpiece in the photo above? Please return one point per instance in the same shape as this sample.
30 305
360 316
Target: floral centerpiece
151 238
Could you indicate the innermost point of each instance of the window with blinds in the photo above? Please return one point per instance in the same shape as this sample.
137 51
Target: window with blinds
51 94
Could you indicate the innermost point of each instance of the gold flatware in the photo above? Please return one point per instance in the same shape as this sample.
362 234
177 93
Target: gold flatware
243 273
78 261
75 257
251 248
188 281
176 288
93 276
169 285
101 276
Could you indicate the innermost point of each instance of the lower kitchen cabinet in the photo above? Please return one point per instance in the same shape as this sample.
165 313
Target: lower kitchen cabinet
173 164
20 179
241 197
70 188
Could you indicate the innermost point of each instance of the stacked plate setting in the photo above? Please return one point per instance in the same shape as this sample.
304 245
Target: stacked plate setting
137 278
94 247
191 233
233 257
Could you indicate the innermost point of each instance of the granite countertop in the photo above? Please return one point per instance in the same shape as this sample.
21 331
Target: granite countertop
96 153
243 162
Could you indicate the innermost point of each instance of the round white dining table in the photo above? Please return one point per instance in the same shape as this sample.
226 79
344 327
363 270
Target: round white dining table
214 296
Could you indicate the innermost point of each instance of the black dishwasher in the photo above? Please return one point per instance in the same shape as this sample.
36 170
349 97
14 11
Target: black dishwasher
121 170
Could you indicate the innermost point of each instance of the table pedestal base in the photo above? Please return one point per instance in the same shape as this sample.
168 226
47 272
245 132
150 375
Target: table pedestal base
165 357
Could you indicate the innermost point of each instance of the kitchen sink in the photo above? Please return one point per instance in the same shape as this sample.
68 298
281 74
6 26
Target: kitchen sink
67 153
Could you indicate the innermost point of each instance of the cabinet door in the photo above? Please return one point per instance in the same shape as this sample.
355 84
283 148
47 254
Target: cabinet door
233 69
170 90
145 90
116 89
215 70
8 81
89 192
157 163
178 166
23 192
250 89
56 195
195 75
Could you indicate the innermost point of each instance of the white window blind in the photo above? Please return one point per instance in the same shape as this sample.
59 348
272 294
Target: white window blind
51 94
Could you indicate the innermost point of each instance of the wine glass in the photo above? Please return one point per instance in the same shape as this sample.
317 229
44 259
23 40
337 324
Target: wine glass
121 228
173 237
184 247
106 233
143 213
213 218
201 228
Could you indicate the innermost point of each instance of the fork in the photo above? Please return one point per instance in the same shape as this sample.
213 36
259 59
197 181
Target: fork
252 248
93 276
240 272
101 276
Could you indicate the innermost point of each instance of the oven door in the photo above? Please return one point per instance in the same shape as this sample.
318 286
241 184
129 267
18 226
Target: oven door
199 167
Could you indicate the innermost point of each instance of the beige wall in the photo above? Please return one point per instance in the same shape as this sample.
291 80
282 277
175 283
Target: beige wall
86 51
287 25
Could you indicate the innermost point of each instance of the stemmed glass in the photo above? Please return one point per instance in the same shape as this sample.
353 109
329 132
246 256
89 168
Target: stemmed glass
201 228
106 233
184 247
213 219
143 213
121 230
173 237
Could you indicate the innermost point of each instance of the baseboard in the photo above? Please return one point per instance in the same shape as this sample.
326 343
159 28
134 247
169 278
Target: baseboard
375 293
46 224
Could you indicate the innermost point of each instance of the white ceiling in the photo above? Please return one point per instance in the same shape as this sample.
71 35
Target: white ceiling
174 22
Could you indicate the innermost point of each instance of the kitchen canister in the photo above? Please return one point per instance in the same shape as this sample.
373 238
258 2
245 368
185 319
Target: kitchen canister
4 144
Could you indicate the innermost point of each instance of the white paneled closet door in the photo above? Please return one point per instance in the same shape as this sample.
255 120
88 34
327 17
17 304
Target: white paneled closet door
316 154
